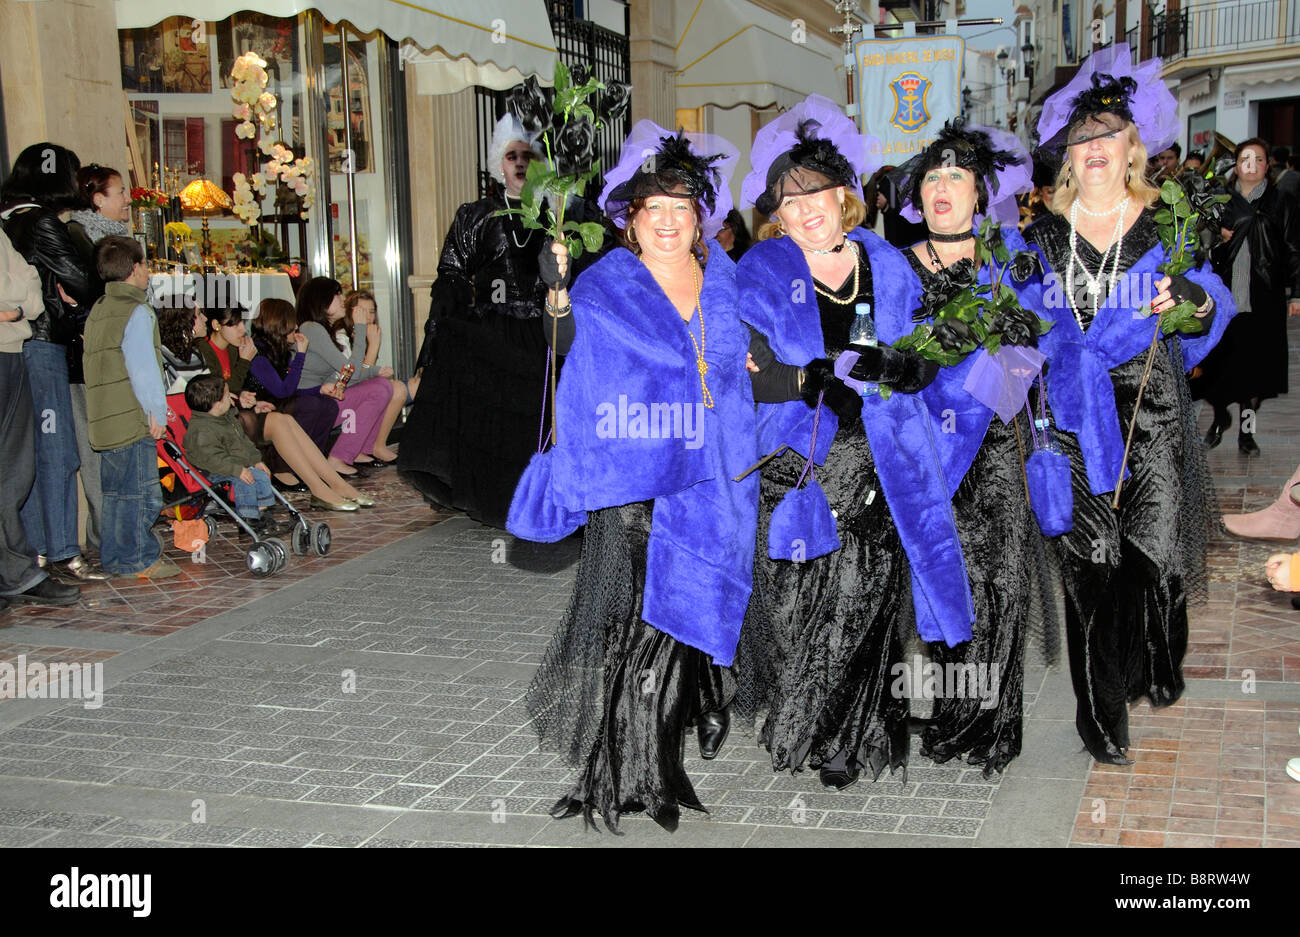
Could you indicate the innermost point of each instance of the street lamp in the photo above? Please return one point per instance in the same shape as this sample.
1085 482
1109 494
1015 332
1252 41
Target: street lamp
1027 57
966 100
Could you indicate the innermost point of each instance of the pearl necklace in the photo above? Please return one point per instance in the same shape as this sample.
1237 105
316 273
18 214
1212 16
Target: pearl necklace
700 364
857 270
1093 283
830 250
1100 214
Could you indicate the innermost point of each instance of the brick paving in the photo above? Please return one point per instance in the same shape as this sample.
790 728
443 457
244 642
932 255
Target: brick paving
373 698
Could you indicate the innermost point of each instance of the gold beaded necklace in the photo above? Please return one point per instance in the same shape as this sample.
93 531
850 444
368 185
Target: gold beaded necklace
700 364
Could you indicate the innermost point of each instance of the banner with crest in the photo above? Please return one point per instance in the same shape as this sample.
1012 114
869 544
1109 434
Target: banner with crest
907 88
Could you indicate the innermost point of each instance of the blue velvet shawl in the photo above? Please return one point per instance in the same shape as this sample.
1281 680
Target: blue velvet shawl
632 427
1079 386
778 300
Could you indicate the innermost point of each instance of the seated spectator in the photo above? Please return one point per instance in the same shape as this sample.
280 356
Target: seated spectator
127 411
22 581
181 327
403 391
367 389
278 434
276 373
38 194
216 444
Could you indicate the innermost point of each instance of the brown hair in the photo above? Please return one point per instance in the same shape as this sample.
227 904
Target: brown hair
204 392
855 212
1138 186
275 319
350 304
1253 141
116 257
700 249
94 180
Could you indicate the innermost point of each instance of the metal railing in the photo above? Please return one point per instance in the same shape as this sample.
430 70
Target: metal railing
1211 28
606 54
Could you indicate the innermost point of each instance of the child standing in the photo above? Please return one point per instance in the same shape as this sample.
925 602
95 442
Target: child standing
126 411
216 444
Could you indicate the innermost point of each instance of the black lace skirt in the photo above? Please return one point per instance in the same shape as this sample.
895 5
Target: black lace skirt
823 636
617 696
1000 544
1123 571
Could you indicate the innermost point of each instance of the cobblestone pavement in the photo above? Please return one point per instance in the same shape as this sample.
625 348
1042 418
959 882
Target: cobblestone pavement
373 698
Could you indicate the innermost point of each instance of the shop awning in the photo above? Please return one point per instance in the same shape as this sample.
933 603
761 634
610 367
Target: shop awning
732 53
453 43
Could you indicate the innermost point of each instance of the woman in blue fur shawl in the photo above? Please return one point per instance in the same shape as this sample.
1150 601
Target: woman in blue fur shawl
968 172
825 635
654 418
1128 572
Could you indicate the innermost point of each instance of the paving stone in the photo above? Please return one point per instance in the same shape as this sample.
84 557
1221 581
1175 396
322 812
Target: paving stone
864 822
205 833
21 835
276 838
939 826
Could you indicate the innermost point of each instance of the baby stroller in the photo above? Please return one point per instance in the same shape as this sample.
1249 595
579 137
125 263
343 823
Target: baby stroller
194 496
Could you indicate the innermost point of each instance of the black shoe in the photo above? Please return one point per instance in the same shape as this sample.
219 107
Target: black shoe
48 592
1246 444
1295 602
288 489
837 780
711 730
1214 435
566 807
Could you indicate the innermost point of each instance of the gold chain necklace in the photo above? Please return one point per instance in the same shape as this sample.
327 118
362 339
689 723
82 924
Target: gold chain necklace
700 364
857 269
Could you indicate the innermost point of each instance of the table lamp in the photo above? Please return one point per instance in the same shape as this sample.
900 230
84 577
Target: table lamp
204 196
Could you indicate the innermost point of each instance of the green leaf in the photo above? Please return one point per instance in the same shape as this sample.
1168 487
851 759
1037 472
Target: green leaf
593 235
885 391
1181 318
574 244
1001 253
994 344
1171 192
563 78
1164 216
1045 326
1182 209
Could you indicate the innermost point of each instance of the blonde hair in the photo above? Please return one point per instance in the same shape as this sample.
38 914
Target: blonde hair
855 212
1138 186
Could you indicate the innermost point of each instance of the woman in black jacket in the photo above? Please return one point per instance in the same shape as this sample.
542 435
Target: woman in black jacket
1258 261
42 185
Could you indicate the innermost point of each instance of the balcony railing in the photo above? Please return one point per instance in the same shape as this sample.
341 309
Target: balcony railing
1208 29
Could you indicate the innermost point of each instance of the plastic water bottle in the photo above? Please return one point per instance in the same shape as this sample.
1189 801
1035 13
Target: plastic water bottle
863 330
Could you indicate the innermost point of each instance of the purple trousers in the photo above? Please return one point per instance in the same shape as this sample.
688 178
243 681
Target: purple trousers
360 412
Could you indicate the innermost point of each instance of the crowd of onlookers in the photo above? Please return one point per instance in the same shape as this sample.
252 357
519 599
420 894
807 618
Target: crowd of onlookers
94 370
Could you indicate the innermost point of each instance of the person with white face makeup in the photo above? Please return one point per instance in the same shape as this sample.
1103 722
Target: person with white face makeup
466 438
1260 261
1127 572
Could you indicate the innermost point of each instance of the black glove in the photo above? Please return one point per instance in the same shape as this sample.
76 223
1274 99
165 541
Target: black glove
905 371
548 267
1183 289
819 378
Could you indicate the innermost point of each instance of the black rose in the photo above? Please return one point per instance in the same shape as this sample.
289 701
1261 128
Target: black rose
573 147
1017 327
580 74
1024 265
614 101
531 104
953 334
947 283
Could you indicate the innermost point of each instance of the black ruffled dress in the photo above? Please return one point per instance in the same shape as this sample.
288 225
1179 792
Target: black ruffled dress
1128 573
1004 559
823 636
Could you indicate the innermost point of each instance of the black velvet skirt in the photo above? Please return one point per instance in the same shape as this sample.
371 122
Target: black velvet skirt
822 639
617 696
474 425
998 532
1123 571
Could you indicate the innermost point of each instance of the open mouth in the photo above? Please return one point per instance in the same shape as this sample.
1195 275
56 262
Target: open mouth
666 234
1096 162
812 224
942 206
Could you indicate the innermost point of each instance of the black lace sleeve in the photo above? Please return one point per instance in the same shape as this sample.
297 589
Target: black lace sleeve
775 381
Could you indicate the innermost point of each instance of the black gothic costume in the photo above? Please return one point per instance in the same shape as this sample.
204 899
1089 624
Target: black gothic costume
1128 574
475 420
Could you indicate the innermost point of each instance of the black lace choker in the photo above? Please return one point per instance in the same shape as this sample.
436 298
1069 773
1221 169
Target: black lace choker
951 238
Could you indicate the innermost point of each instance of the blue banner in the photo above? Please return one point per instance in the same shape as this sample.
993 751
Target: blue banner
907 88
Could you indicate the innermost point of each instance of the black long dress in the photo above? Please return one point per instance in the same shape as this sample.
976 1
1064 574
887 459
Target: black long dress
823 637
1002 547
475 421
1126 573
